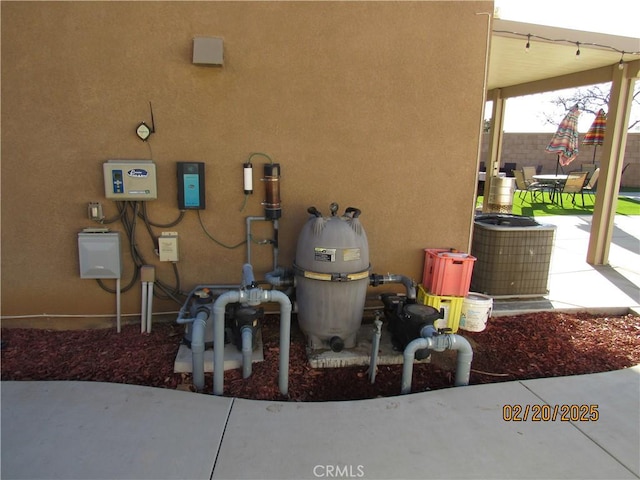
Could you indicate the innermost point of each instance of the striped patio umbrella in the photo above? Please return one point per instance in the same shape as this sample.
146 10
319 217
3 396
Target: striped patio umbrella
565 141
595 135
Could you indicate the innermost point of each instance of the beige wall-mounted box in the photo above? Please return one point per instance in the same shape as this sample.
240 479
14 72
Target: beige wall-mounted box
208 51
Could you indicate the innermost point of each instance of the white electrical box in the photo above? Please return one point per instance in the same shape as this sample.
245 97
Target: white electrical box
168 247
99 252
130 180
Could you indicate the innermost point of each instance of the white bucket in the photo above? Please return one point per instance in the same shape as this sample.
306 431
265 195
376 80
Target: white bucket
476 310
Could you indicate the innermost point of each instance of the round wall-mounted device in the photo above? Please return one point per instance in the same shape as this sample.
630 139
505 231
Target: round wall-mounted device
143 131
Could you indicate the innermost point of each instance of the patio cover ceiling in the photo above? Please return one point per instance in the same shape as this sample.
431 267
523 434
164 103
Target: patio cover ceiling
518 72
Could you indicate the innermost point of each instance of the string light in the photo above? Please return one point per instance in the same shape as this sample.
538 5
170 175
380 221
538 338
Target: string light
562 40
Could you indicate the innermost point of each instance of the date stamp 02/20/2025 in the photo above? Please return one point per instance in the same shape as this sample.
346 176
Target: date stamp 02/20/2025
550 413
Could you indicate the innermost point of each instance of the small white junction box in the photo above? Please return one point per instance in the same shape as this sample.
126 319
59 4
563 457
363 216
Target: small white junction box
130 180
168 247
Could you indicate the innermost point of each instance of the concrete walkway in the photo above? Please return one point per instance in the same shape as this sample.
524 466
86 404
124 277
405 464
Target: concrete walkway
78 430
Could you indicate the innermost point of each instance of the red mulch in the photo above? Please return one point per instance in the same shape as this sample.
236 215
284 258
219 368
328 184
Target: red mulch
511 348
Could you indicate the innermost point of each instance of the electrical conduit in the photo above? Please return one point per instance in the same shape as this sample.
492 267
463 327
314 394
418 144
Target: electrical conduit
429 338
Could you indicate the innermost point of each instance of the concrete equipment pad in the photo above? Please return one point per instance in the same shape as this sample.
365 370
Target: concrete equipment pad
232 357
360 355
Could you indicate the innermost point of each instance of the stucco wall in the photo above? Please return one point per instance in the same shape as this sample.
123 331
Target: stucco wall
376 105
528 149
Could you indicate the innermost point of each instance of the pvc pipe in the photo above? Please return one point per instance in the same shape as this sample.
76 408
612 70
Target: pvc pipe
247 350
197 348
118 305
409 286
464 359
375 345
254 297
276 246
438 343
407 362
143 309
248 279
279 277
218 338
149 306
285 335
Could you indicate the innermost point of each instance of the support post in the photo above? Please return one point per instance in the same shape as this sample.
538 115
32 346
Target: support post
615 140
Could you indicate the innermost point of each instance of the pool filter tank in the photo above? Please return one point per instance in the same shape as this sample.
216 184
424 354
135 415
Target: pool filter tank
332 274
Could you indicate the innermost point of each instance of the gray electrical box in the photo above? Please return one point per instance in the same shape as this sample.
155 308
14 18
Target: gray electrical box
100 255
208 51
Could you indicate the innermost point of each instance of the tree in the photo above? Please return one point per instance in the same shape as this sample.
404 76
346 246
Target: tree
591 99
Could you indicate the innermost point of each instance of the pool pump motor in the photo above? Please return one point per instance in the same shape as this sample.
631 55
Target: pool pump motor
405 320
237 317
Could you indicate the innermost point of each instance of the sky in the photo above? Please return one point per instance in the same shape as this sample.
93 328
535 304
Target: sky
615 17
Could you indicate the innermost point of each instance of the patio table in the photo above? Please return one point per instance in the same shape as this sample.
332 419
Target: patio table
553 182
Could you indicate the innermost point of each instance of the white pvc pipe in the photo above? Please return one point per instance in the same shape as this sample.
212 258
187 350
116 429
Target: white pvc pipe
143 309
118 307
149 305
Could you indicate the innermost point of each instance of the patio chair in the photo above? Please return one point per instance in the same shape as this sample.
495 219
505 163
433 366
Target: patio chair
588 187
574 184
529 172
589 168
509 167
523 187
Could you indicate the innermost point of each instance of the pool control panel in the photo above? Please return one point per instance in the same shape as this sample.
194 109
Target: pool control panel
130 180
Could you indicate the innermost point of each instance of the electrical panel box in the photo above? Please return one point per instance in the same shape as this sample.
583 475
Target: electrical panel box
208 51
191 194
99 252
130 180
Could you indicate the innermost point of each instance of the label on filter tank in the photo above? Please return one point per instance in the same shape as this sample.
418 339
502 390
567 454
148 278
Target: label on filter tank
324 254
351 254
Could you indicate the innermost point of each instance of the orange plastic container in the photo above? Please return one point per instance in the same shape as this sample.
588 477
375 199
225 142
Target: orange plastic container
430 256
447 273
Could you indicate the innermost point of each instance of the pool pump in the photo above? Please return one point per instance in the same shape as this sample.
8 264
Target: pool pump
406 319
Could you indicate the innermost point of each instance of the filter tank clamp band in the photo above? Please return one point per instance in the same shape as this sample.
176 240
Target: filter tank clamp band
331 277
